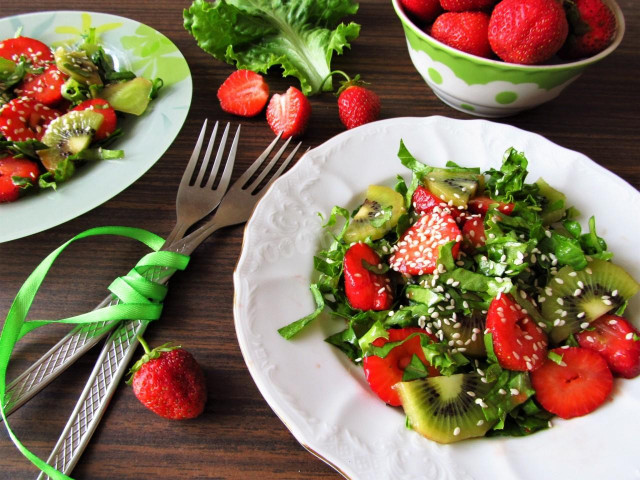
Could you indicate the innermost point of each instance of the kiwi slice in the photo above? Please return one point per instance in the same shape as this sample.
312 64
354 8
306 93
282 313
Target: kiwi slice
131 96
380 201
466 333
454 187
65 136
573 298
555 204
78 66
446 409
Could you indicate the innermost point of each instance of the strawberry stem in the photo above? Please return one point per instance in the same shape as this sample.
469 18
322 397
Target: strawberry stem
339 72
144 344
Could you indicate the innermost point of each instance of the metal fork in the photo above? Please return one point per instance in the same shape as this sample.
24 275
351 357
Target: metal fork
193 203
236 207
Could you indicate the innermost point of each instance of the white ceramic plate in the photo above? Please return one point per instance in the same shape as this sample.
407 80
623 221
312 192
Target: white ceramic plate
315 390
135 47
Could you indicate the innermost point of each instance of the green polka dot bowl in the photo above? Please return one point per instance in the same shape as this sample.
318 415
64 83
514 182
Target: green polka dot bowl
492 88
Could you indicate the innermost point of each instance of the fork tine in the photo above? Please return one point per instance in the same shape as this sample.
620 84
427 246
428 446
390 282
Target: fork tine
255 165
188 172
281 169
226 174
207 153
216 163
269 166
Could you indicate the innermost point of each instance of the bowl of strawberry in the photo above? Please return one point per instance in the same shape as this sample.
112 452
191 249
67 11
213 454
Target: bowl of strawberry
497 58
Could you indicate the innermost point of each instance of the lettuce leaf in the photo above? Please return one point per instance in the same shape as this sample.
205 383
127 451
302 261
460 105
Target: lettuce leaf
298 35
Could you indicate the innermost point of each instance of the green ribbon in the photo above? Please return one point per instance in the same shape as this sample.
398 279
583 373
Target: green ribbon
140 299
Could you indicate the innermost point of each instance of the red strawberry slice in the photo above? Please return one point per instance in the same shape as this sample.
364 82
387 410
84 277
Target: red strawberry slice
473 233
417 251
481 205
25 119
34 50
577 386
289 113
243 93
15 167
424 201
617 341
365 290
383 373
45 88
110 120
519 344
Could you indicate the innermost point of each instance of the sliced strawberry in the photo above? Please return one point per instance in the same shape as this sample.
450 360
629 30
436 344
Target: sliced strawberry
519 344
383 373
577 386
34 50
45 88
243 93
481 205
15 167
289 113
424 201
617 341
109 122
25 119
416 253
473 235
365 290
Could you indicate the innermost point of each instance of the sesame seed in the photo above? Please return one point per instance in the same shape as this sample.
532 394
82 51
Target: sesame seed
584 325
514 391
456 431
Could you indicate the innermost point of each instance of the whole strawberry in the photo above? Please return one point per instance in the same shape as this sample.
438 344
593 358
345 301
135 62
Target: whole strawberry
465 31
169 382
357 104
527 31
465 5
423 10
592 27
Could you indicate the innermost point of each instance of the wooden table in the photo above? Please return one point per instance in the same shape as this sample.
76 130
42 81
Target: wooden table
239 436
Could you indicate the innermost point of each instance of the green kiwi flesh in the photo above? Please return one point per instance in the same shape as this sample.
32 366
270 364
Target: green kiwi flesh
445 409
555 205
573 298
378 198
466 334
131 96
78 66
454 187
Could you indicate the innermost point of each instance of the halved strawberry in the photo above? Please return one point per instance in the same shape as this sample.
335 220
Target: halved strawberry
243 93
34 50
289 113
577 386
481 205
45 88
473 233
383 373
519 344
617 341
25 119
364 289
416 253
424 201
15 167
110 120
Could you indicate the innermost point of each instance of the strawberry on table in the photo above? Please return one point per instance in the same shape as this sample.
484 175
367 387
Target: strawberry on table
383 373
481 205
243 93
46 87
33 50
576 383
518 343
617 341
11 167
592 27
25 119
527 31
465 31
169 382
423 10
416 253
289 113
110 120
365 289
357 104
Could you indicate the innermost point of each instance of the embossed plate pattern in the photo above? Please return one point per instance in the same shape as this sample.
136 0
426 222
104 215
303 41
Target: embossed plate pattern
323 399
134 46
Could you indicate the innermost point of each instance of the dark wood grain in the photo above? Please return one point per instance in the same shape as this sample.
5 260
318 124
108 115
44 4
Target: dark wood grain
239 436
